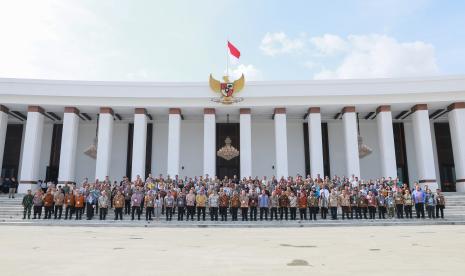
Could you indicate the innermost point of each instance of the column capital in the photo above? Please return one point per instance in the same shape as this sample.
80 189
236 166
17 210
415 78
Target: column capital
280 110
106 110
419 107
175 111
458 105
209 111
244 111
35 108
383 108
313 110
348 109
140 110
71 109
4 109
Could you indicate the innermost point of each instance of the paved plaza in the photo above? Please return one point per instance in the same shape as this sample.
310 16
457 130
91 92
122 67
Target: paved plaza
377 250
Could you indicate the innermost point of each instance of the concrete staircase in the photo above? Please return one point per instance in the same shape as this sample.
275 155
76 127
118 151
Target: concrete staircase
11 212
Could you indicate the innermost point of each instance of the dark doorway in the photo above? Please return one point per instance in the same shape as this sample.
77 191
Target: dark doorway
401 152
54 163
324 139
445 156
12 152
224 167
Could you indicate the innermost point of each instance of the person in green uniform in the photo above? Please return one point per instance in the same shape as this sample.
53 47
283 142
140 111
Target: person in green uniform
27 204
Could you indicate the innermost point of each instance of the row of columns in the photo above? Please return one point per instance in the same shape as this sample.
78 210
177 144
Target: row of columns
421 134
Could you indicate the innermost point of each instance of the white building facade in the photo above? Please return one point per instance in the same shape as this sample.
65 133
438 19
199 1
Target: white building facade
415 128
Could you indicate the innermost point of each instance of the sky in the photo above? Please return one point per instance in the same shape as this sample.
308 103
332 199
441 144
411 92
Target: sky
185 40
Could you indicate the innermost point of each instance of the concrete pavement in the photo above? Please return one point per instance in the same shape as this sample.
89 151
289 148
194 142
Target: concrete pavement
377 250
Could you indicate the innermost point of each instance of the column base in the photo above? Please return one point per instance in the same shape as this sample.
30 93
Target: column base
27 185
460 186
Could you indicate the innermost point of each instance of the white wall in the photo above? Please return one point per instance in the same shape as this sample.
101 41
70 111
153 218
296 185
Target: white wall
370 166
119 151
336 148
160 147
191 148
85 166
263 147
295 147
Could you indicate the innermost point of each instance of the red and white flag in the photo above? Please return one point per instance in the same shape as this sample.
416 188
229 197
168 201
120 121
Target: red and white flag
233 50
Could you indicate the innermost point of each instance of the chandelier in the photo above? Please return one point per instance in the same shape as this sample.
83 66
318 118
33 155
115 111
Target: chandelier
363 150
227 152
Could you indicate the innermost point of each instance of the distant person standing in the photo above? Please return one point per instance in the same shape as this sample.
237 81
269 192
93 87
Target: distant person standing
13 187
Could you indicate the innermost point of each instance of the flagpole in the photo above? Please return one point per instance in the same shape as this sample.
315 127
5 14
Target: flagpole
227 58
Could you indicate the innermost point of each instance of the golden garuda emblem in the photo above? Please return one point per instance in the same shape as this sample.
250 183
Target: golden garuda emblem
227 89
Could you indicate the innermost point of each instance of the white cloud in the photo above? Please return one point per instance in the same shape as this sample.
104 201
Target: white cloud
376 56
279 43
329 44
250 72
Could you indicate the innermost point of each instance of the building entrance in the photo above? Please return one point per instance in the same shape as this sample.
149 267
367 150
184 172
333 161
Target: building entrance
225 167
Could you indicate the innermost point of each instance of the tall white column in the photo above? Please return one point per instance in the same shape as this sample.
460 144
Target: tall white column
104 143
280 132
423 146
349 120
139 143
315 142
245 123
174 141
209 142
3 125
457 134
386 141
31 149
68 146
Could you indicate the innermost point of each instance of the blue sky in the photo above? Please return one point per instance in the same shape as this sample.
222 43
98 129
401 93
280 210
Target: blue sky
186 40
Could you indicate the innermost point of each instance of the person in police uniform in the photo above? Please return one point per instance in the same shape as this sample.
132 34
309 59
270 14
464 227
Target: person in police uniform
118 204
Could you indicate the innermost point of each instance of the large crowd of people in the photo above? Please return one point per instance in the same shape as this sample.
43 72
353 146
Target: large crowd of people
247 199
